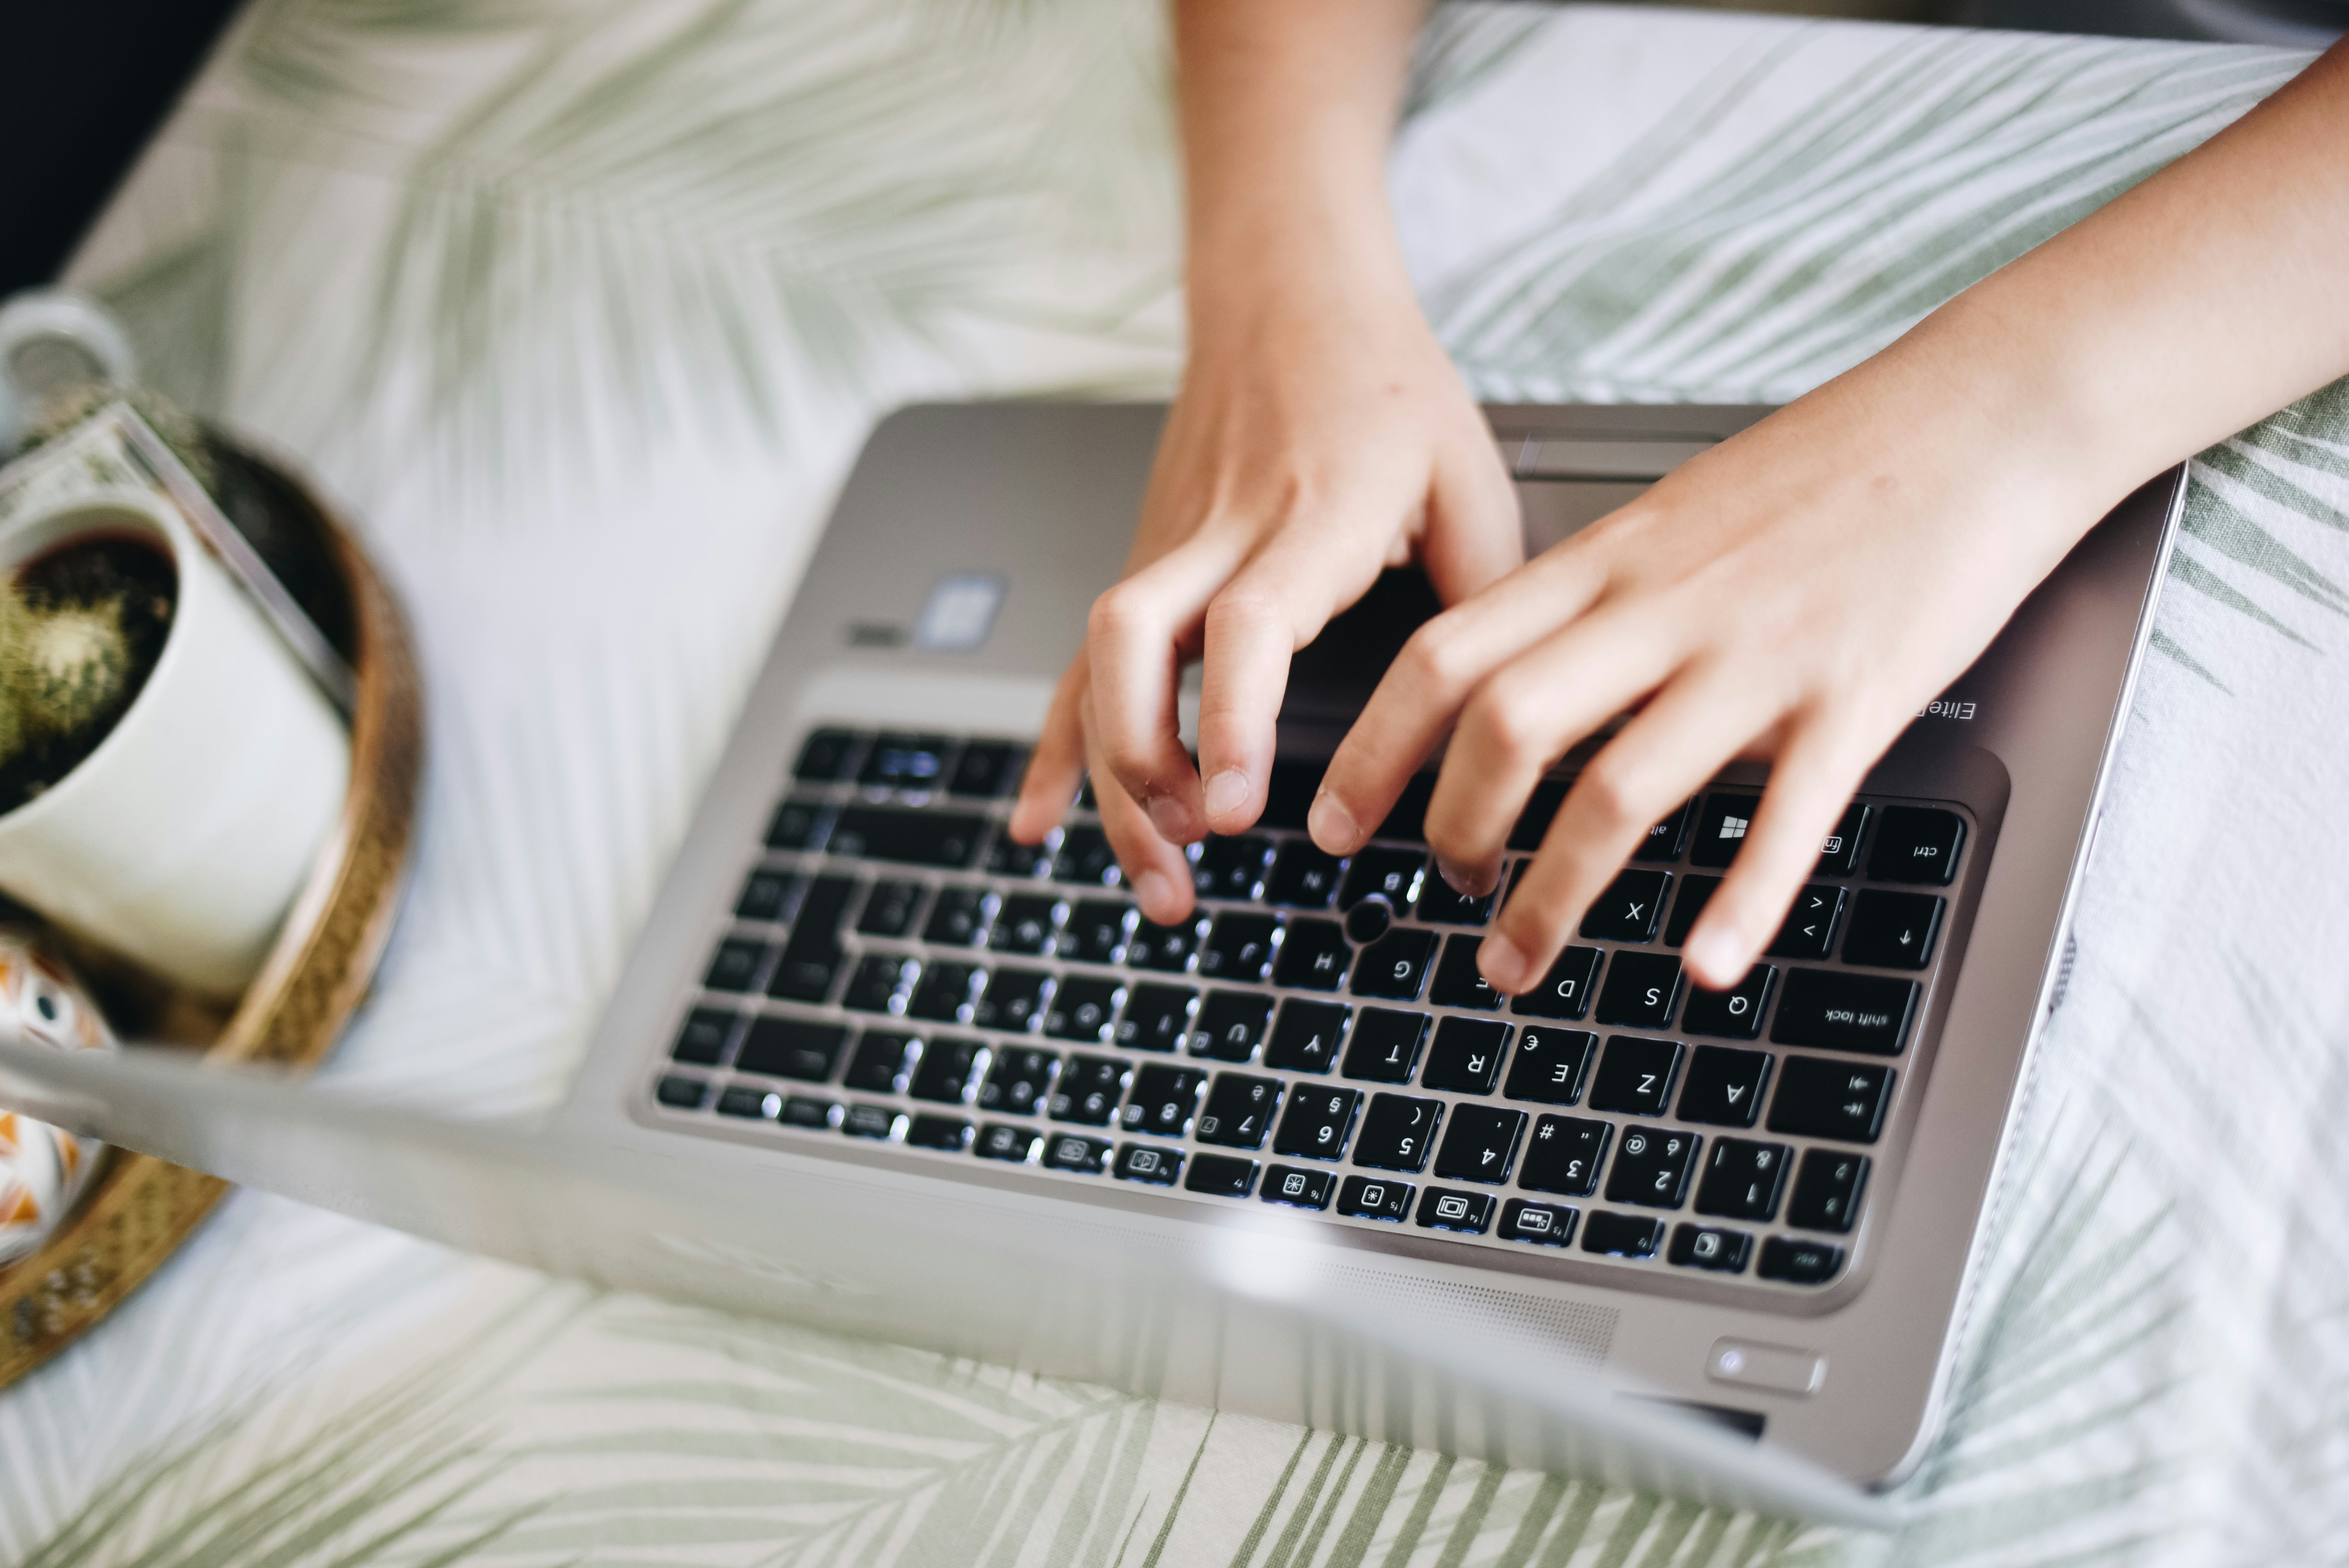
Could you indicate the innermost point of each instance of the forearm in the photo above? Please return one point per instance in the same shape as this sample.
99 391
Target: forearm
1287 109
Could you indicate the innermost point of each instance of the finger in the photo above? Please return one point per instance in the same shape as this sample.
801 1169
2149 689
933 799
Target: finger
1157 872
1817 769
1526 716
1697 722
1133 641
1057 766
1476 535
1439 666
1275 605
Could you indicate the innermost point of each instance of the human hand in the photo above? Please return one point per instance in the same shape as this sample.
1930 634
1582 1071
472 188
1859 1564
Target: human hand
1798 594
1319 435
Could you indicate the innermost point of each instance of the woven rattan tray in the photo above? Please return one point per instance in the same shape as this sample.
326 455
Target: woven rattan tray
316 975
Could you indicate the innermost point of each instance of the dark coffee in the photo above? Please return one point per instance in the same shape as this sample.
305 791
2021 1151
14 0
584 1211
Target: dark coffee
81 628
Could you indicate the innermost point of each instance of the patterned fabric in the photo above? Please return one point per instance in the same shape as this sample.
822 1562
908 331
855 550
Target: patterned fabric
585 307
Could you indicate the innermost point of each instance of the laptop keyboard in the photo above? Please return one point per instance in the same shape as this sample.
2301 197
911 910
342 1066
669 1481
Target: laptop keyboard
897 970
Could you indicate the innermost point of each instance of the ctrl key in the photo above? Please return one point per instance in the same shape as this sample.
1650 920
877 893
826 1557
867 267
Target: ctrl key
1799 1263
1380 1199
1544 1224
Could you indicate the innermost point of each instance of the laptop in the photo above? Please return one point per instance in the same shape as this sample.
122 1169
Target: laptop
871 1064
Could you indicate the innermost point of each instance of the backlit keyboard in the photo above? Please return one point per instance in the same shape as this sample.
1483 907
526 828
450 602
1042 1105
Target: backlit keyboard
897 970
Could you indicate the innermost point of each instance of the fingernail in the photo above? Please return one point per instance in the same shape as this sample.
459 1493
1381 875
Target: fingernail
1154 891
1226 792
1474 881
1331 825
1171 819
1710 954
1503 964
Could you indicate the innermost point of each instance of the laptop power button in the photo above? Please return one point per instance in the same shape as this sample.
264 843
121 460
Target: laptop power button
1772 1367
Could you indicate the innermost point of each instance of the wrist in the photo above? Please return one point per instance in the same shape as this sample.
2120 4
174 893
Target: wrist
1240 275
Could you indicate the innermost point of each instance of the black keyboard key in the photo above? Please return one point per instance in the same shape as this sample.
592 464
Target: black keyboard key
1393 875
1840 850
1386 1045
1564 1155
1457 982
1721 829
1845 1012
880 1062
1710 1247
1007 857
1666 839
1916 844
1724 1086
1086 860
1027 923
1892 930
1239 947
1695 893
799 825
1635 1076
1075 1152
1395 966
947 993
735 966
1141 1163
1407 821
1541 807
905 762
1084 1007
1002 1140
1397 1132
768 895
1827 1191
807 1111
1170 949
889 909
753 1104
1317 1122
878 983
1799 1262
948 1070
680 1092
1743 1180
1095 931
1302 877
1629 909
1306 1038
1734 1014
1013 1001
1375 1198
1544 1224
1298 1189
1652 1167
961 917
1231 868
1313 955
1623 1235
1641 990
1442 1209
946 839
701 1041
1822 1098
791 1049
871 1121
1163 1100
1289 794
1229 1025
1220 1175
826 756
986 770
1444 904
1809 930
1088 1090
1551 1064
1564 991
947 1134
1480 1144
1157 1017
1238 1112
1018 1081
1466 1055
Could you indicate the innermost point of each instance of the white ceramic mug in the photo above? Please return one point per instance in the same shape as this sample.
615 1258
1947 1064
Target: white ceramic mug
181 841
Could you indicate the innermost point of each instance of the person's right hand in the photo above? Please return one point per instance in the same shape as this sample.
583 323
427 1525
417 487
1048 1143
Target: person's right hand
1319 435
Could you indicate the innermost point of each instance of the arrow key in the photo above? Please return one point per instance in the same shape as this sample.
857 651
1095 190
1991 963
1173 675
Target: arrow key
1892 930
